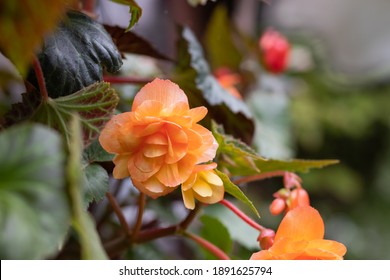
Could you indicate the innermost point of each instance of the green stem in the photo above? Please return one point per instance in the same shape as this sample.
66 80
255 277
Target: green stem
41 79
261 176
207 245
241 215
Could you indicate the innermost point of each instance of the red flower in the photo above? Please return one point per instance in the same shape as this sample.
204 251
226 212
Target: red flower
300 236
275 50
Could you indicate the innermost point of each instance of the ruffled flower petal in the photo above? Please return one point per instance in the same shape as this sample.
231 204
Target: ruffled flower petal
302 223
163 91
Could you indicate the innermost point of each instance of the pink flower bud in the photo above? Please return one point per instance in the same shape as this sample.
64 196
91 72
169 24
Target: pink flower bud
275 50
277 206
266 238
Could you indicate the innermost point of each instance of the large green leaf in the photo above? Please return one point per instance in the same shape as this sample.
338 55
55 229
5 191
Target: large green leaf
95 105
74 56
215 232
194 77
237 159
34 208
82 222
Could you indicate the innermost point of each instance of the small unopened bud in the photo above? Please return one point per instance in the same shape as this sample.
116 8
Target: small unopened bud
266 238
298 197
275 50
277 206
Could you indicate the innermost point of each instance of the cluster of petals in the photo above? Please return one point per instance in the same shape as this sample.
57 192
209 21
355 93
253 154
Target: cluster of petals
159 143
300 236
204 185
275 50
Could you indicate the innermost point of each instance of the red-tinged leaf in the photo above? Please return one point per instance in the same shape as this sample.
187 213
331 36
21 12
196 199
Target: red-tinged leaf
129 42
194 76
94 104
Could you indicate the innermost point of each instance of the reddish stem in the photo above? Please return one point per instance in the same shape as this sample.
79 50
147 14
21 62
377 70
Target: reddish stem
118 211
241 215
126 80
138 223
208 246
261 176
41 79
89 6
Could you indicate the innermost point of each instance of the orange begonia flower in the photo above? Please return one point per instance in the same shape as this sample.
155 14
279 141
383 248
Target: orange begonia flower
159 142
301 237
204 185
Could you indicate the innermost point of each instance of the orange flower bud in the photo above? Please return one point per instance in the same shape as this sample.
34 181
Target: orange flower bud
275 51
298 197
277 206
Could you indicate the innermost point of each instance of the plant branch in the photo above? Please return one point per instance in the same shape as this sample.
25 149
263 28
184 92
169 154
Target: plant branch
118 211
151 234
41 79
261 176
138 223
190 217
241 215
207 245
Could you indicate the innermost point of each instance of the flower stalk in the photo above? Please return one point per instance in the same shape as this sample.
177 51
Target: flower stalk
241 215
41 79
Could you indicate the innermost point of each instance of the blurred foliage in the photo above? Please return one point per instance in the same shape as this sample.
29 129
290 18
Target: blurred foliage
351 124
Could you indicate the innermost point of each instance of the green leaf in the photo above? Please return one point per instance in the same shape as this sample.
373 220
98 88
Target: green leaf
95 184
94 104
95 176
220 46
135 11
96 153
34 209
74 56
237 159
82 222
235 191
23 24
194 77
215 232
